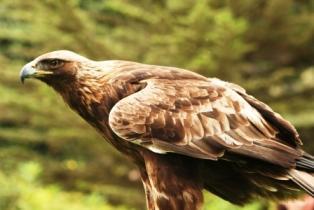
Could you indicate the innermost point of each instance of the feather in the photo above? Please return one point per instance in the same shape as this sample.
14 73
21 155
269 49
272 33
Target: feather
184 131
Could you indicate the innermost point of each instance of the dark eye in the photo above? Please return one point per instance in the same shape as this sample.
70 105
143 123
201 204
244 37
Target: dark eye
55 63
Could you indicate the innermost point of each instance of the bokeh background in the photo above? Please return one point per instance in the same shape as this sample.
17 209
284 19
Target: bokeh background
51 160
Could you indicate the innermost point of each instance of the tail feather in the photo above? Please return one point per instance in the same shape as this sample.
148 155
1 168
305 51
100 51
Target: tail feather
306 163
303 174
304 180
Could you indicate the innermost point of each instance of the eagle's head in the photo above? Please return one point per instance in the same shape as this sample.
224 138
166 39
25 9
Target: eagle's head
77 79
54 67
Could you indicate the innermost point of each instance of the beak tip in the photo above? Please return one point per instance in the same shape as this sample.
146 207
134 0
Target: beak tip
26 71
22 76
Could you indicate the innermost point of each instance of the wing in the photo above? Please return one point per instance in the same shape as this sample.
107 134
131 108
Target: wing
203 119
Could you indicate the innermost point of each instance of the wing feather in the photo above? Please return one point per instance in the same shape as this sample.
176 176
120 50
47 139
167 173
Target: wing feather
203 119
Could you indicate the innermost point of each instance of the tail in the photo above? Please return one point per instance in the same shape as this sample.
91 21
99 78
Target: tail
303 174
306 163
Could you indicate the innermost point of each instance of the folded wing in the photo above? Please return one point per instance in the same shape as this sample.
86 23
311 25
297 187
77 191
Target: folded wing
204 119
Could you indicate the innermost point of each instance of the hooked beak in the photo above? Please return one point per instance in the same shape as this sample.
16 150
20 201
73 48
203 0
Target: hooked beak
29 71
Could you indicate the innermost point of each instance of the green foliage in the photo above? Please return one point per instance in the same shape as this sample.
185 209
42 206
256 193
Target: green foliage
265 46
214 203
21 190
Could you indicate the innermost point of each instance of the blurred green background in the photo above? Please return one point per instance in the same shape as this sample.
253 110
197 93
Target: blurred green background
51 160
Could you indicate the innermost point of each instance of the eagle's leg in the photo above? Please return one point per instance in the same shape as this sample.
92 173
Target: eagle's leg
171 182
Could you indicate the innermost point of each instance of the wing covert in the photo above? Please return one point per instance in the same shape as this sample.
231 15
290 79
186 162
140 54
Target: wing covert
201 119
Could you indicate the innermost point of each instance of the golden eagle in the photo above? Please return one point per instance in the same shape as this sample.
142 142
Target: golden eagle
185 132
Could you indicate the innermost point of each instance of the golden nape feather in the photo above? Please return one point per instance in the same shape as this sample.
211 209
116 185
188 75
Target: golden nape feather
184 131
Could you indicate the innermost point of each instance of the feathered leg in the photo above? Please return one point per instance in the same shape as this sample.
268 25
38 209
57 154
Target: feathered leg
171 183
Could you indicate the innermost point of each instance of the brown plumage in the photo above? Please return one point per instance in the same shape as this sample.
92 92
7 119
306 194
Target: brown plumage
184 131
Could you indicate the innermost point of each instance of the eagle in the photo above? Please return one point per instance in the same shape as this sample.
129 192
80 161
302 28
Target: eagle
185 132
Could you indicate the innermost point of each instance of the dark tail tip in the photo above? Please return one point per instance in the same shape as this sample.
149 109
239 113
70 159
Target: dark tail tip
305 163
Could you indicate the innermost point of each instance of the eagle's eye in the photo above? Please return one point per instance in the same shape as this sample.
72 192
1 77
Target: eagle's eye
55 63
